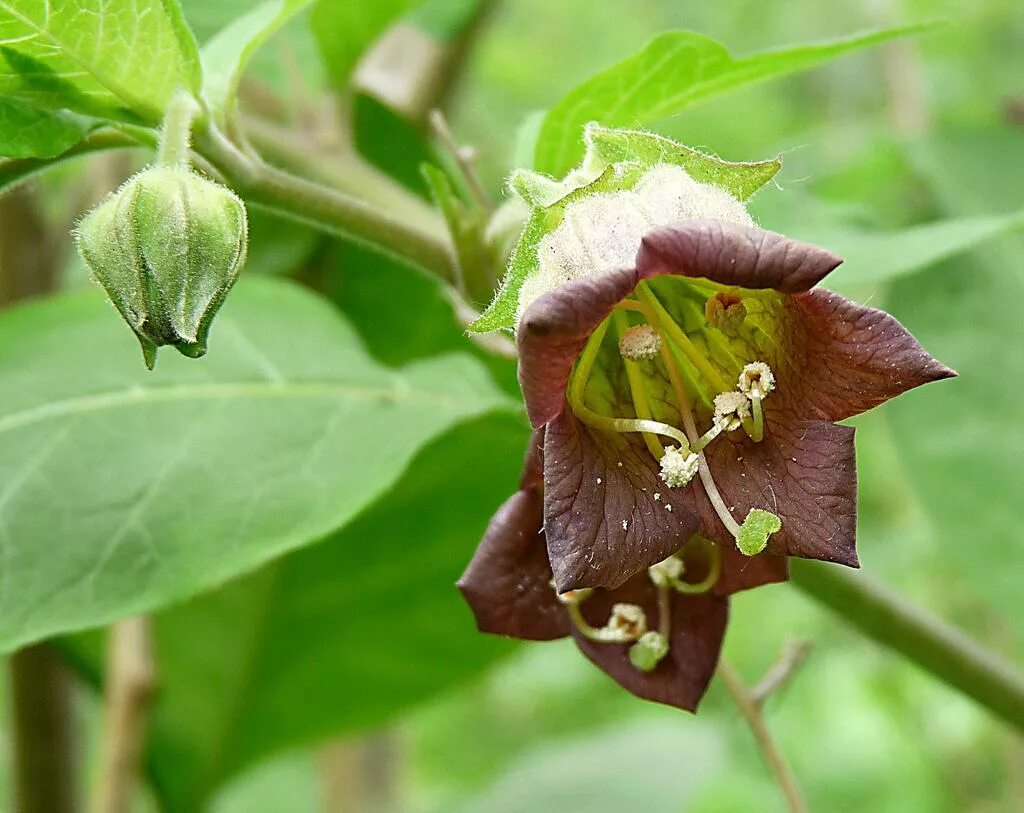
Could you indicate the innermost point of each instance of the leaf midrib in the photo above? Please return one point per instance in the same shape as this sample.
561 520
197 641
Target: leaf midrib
116 399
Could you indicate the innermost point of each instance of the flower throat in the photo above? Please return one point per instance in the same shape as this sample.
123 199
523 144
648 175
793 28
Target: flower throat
653 347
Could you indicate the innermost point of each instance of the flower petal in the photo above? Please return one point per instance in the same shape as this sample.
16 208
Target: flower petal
851 357
741 572
803 471
552 333
507 583
698 625
732 254
602 522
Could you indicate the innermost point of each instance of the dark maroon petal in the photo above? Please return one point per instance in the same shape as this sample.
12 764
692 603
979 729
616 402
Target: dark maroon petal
507 583
850 357
552 333
602 522
731 254
803 471
698 625
741 572
533 465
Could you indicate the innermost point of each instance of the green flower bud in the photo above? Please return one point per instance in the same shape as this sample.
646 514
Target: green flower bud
167 247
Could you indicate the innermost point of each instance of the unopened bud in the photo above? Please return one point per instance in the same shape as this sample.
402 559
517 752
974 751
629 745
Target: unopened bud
166 247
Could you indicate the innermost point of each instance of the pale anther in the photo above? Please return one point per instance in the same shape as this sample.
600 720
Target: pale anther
731 409
627 623
678 468
639 343
757 380
666 572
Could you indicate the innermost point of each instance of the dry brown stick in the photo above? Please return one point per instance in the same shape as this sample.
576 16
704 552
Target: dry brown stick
463 157
130 686
785 667
751 711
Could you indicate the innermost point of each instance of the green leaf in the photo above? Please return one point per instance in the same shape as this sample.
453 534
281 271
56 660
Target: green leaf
124 490
344 31
873 257
27 132
960 443
16 170
605 148
342 635
675 70
226 55
118 59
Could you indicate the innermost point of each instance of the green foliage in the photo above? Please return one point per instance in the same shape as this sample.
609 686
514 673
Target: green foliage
117 59
675 70
962 446
226 55
340 636
27 132
209 469
344 30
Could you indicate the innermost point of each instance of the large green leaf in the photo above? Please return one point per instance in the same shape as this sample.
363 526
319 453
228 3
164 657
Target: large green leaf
121 491
962 442
226 55
873 257
120 59
341 635
673 71
27 132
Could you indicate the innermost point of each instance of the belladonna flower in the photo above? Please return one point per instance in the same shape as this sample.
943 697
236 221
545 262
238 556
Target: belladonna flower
684 377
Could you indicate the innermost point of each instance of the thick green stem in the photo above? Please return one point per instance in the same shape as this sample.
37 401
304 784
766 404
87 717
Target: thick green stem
935 646
325 208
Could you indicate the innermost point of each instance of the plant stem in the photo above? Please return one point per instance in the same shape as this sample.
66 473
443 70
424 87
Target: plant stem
751 711
130 686
325 208
935 646
176 132
44 776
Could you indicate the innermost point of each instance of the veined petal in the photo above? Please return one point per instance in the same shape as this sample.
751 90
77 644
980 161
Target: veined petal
733 254
804 472
552 334
697 627
850 358
602 521
508 582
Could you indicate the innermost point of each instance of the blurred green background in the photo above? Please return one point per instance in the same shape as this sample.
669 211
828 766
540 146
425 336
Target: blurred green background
924 129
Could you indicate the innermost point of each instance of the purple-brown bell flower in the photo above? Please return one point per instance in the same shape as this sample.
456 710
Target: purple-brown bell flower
685 377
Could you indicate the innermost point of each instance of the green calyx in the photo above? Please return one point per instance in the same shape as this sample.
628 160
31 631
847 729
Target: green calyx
167 247
615 161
